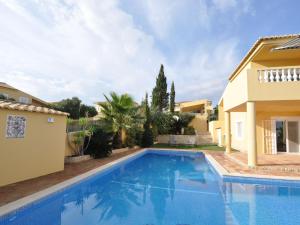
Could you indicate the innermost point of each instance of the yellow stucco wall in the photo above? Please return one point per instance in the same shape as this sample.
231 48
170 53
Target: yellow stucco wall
236 91
218 124
260 117
213 130
69 147
40 152
238 143
200 124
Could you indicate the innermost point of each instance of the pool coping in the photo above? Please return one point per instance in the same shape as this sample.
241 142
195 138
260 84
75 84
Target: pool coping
222 172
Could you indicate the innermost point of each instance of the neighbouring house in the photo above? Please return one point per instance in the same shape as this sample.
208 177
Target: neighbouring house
14 94
99 109
259 111
202 109
32 138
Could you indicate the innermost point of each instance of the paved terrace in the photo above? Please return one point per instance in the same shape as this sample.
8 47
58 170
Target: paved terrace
272 165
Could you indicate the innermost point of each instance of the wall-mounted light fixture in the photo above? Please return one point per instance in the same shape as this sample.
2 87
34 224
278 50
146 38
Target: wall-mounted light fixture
50 120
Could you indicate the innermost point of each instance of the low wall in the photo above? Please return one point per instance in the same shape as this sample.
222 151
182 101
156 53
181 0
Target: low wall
185 139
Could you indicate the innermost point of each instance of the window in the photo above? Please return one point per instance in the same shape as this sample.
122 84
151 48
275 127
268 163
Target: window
239 129
3 96
24 100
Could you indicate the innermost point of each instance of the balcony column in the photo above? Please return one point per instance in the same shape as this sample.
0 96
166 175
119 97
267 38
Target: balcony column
228 132
251 133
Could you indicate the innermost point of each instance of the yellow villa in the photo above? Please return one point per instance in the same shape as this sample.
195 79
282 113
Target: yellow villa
201 109
259 112
17 95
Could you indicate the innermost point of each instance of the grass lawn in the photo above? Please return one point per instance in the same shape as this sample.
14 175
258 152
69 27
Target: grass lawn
199 147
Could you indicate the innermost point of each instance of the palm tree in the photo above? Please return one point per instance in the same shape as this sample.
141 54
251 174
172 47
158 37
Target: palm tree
120 111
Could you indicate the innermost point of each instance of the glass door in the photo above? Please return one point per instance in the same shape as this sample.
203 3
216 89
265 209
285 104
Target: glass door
293 136
281 136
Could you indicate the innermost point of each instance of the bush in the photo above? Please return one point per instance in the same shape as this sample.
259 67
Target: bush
189 130
147 138
101 142
162 122
130 138
182 121
167 123
133 136
117 140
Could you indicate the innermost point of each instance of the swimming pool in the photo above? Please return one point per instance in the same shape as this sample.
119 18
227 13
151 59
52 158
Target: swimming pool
164 187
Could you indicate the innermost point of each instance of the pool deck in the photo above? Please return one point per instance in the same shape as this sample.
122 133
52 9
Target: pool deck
281 166
13 192
286 167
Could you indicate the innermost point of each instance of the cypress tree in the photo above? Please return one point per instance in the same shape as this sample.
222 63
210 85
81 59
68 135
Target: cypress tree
172 98
160 95
147 139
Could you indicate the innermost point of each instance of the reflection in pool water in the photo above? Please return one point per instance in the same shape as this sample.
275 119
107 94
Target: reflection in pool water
161 188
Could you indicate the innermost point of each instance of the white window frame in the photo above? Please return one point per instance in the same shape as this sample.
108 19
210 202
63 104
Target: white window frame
22 100
239 136
283 118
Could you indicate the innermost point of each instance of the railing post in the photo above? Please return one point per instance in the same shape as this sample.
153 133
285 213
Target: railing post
289 76
271 76
295 76
266 76
277 76
260 79
283 76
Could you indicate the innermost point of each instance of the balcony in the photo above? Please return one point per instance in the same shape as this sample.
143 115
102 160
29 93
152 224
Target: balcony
279 75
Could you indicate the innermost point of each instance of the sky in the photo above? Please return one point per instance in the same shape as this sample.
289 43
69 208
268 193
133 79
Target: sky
58 49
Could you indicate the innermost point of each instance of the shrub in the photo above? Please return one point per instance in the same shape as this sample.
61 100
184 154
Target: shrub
163 122
117 140
100 143
167 123
147 137
181 120
189 130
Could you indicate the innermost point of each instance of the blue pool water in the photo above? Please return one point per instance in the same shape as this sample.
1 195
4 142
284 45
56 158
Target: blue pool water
162 187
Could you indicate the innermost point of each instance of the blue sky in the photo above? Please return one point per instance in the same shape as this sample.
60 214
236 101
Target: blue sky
62 48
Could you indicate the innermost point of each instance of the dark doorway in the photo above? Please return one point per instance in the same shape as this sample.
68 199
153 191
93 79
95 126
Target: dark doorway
281 136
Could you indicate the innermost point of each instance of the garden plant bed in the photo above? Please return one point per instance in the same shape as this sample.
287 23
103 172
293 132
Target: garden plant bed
76 159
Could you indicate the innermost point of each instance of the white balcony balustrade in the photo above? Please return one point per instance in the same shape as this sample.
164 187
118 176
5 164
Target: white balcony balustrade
279 75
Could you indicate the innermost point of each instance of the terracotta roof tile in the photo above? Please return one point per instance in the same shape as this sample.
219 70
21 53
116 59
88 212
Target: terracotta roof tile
29 108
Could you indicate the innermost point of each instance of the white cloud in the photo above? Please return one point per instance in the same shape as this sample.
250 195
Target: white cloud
88 48
57 49
206 72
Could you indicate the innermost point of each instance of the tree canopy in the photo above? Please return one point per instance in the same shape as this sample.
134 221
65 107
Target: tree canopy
75 108
172 98
160 95
147 139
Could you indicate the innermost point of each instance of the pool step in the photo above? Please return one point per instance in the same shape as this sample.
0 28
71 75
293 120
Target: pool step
229 218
